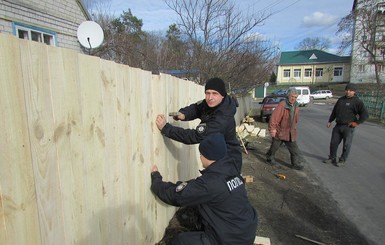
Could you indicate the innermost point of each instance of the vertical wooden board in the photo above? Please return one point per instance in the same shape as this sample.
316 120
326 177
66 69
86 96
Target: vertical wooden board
135 131
158 92
68 139
93 148
172 146
146 151
138 112
161 213
112 171
123 137
18 207
195 93
43 150
188 163
182 164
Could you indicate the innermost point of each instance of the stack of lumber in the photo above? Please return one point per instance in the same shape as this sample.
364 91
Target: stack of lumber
249 128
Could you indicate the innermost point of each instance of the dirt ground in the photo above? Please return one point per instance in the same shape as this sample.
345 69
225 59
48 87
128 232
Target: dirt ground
297 209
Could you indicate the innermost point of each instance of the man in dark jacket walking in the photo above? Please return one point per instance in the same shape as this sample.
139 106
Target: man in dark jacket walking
216 113
349 112
219 195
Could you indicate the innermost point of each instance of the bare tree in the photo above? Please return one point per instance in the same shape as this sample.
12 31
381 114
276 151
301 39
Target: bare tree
365 24
345 31
310 43
220 42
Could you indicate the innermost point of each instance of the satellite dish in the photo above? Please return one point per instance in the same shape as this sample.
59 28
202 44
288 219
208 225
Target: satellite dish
90 34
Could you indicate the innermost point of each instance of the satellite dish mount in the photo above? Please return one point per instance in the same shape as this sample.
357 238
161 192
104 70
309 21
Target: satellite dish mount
90 35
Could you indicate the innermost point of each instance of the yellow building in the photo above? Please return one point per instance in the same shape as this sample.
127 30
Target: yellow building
312 66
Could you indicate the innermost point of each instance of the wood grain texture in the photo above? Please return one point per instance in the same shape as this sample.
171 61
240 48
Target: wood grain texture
18 207
78 138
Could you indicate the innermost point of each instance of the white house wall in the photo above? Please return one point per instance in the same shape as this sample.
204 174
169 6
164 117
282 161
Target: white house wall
362 71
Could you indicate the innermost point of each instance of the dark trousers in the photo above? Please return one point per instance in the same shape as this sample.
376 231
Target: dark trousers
295 154
345 133
191 238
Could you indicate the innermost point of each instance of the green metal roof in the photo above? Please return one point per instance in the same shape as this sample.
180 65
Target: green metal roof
311 57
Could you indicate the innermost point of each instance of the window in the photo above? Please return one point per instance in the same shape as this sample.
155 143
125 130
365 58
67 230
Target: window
286 73
337 71
319 72
35 34
381 68
297 72
308 72
361 68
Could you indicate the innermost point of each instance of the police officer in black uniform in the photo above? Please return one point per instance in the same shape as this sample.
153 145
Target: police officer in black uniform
216 113
349 112
219 195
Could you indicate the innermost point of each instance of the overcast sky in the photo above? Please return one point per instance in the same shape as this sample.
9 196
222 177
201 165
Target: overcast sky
292 21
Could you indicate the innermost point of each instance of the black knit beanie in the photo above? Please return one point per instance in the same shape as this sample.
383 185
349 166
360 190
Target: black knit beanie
350 86
213 147
216 84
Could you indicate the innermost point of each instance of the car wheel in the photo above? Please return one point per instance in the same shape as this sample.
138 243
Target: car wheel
263 119
327 97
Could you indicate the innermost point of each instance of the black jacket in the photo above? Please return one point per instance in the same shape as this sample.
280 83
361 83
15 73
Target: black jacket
221 198
347 110
219 119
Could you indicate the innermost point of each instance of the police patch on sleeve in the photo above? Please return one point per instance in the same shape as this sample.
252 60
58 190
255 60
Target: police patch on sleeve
201 128
181 186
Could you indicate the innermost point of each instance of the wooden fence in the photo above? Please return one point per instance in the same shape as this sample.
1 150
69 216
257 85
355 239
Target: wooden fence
77 142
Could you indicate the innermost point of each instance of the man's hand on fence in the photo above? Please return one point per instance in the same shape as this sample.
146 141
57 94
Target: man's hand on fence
160 121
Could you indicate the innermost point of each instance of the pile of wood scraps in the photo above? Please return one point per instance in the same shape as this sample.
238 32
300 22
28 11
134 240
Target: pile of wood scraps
247 129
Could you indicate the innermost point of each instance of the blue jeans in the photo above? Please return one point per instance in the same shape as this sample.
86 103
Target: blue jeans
341 133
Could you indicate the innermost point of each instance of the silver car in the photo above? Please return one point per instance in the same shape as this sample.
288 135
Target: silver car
321 94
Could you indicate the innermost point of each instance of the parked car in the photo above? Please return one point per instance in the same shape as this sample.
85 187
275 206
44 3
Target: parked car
321 94
268 104
280 92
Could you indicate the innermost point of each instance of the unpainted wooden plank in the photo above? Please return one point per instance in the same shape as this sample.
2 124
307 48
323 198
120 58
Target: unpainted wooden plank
161 213
93 149
123 149
37 85
66 103
112 171
18 207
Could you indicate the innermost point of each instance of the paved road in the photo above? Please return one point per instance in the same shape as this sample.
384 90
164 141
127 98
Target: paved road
359 187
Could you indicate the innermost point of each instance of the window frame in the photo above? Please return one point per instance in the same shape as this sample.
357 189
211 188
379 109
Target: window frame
34 33
286 73
308 72
319 72
297 73
339 70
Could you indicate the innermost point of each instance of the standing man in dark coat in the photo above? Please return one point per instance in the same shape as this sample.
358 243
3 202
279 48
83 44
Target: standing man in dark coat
219 195
216 113
349 112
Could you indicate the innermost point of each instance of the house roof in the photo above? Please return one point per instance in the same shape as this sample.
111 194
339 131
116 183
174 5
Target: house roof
84 9
311 57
